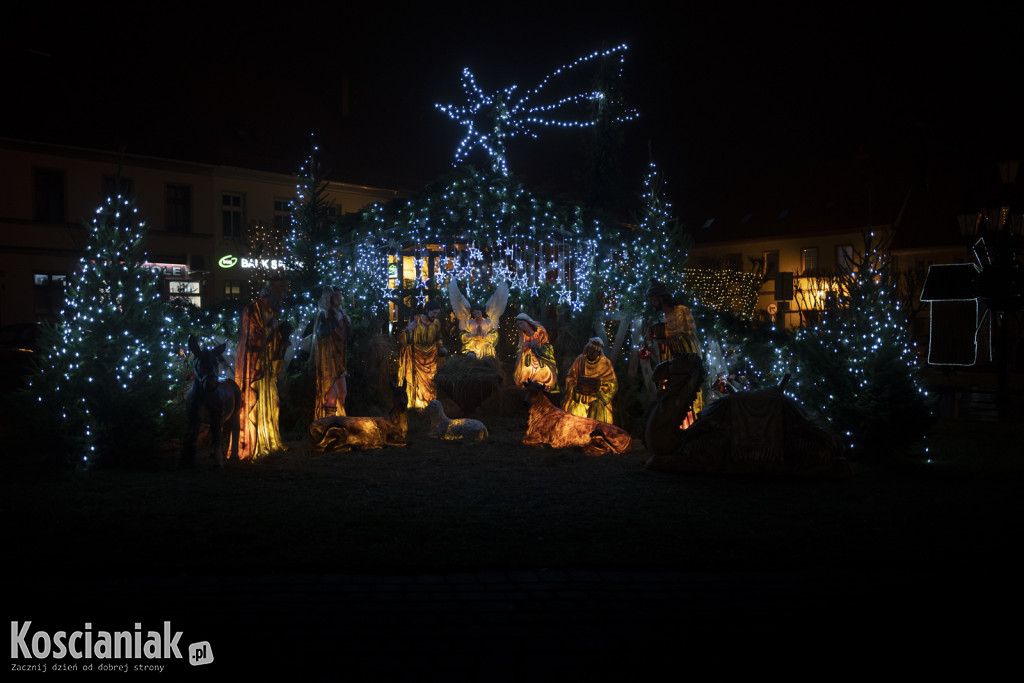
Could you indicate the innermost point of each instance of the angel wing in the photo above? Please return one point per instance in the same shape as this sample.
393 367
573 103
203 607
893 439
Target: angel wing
460 305
496 304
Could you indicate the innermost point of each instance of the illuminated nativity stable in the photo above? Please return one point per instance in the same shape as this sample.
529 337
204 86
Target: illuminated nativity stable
481 245
488 247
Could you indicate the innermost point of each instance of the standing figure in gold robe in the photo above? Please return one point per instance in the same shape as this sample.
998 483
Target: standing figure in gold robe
478 325
420 352
677 335
262 343
536 360
591 384
330 335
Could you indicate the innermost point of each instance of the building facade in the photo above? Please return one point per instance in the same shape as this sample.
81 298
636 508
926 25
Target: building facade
205 221
802 228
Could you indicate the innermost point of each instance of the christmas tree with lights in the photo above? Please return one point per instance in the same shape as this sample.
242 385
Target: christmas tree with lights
656 248
110 368
312 238
857 366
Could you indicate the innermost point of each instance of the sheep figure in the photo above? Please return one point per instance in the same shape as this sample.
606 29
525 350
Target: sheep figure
463 429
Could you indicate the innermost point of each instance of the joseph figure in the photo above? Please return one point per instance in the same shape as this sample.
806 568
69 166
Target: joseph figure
421 351
262 342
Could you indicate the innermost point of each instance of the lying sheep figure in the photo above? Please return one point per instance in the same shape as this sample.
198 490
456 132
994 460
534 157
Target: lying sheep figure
453 430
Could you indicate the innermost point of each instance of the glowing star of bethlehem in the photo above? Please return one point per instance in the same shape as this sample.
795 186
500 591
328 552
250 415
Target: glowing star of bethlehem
491 118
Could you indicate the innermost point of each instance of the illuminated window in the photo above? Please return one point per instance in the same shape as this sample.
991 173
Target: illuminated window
178 209
808 260
185 289
232 290
232 218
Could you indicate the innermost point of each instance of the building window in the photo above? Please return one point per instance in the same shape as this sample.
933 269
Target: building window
48 191
187 290
178 217
232 219
808 261
49 296
114 185
282 215
771 263
844 258
232 290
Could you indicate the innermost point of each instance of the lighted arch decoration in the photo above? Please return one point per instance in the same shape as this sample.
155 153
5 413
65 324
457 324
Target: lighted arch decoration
482 229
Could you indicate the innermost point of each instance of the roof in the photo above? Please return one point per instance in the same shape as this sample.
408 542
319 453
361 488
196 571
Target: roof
951 282
844 196
919 198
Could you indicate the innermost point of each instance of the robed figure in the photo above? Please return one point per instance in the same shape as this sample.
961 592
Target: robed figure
536 359
676 335
330 336
591 384
262 343
420 352
478 325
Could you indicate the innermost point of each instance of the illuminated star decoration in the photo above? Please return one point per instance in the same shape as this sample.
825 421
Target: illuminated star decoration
490 119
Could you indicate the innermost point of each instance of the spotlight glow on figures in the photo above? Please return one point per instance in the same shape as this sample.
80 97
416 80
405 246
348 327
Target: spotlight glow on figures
491 118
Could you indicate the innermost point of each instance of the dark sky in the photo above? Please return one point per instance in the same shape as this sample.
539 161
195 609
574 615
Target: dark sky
723 94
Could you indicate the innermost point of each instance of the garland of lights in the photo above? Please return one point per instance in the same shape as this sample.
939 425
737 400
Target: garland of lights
482 232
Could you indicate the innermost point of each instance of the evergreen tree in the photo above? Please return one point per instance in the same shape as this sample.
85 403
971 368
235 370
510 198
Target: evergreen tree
312 239
656 248
857 365
109 370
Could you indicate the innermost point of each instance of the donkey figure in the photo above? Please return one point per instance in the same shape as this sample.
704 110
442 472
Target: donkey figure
210 401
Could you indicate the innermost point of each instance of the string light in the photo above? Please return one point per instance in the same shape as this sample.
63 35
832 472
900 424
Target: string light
113 356
492 118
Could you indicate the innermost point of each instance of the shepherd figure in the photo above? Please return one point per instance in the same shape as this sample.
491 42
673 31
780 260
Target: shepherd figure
421 350
591 384
330 335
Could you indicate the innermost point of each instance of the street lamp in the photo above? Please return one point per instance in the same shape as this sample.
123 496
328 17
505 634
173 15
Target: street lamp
998 251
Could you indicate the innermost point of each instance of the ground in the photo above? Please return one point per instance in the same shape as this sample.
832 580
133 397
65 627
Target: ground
443 557
437 505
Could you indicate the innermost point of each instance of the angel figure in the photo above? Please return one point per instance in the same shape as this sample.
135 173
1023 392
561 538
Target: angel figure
478 325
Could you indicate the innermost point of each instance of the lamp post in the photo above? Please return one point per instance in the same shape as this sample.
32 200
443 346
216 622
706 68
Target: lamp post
999 247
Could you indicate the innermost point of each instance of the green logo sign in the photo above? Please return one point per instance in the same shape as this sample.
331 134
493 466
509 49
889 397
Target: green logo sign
228 261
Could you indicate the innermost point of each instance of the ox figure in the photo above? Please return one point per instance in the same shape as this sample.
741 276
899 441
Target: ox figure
551 426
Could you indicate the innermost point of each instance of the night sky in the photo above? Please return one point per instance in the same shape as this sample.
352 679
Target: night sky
723 94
